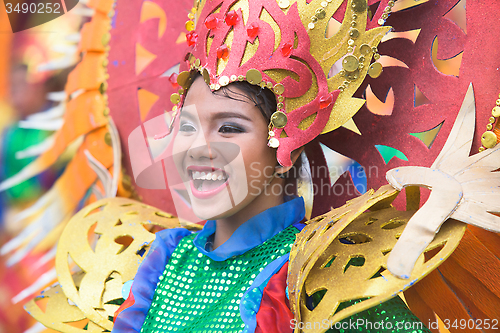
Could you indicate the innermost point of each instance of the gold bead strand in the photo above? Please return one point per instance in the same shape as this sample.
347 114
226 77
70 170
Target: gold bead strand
491 137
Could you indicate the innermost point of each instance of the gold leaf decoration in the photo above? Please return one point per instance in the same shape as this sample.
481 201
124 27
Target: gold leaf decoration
104 243
366 228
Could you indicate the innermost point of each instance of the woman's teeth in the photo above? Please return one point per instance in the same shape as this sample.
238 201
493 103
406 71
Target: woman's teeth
215 175
207 181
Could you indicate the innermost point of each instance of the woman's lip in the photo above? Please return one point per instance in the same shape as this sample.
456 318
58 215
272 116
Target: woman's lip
202 168
206 194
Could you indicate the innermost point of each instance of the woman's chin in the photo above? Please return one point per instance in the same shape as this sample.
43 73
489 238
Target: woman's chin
216 205
210 209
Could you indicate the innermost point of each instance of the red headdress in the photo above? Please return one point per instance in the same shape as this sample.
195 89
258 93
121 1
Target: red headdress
282 46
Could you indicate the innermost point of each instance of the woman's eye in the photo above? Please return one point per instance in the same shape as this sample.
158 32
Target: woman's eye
187 128
231 129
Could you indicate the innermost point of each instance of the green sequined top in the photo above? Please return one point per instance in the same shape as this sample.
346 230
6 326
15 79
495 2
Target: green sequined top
198 294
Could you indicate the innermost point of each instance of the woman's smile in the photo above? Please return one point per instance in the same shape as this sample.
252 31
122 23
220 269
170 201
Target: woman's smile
205 181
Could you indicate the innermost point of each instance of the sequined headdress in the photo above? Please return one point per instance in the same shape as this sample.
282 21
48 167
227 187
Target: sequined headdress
283 46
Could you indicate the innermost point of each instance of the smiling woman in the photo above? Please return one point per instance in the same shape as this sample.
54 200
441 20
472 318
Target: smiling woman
231 275
221 151
255 97
237 134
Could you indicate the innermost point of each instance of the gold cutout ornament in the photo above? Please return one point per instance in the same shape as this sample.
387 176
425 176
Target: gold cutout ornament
105 243
319 260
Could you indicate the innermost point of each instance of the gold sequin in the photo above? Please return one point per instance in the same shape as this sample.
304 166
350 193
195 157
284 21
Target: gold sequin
175 98
189 25
206 76
107 139
320 13
365 49
183 78
489 139
375 70
279 119
254 76
496 111
105 39
350 63
279 89
354 33
103 88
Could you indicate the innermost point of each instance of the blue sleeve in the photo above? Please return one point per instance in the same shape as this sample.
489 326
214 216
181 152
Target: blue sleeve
144 285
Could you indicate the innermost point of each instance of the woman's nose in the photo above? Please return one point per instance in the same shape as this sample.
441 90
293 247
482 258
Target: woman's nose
200 149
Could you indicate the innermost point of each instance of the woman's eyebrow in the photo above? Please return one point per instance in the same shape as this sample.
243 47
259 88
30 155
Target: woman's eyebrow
188 115
229 114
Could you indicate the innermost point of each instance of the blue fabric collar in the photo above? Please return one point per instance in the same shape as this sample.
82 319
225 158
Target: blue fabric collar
253 232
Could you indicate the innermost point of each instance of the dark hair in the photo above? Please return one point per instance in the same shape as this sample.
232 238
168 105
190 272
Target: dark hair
263 98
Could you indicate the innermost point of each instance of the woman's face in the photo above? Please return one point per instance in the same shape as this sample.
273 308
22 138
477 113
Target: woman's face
221 153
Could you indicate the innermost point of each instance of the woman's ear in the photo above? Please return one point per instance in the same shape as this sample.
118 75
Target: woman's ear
294 156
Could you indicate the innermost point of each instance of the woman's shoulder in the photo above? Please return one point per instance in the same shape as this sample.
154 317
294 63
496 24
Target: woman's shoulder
171 237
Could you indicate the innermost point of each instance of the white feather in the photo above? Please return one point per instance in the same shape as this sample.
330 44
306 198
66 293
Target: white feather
37 149
57 96
52 113
65 49
60 63
51 125
83 11
73 38
41 282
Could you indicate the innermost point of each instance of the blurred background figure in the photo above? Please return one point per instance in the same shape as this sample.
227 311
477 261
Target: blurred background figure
26 97
23 94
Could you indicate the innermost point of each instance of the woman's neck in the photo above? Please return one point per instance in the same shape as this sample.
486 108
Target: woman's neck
225 227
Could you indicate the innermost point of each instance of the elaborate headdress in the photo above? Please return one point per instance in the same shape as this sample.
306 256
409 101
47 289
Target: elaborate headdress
125 75
284 46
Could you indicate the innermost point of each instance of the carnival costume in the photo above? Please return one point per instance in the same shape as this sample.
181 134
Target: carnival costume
346 260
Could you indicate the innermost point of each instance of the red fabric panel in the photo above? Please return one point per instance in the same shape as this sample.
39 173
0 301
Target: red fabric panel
127 304
274 315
